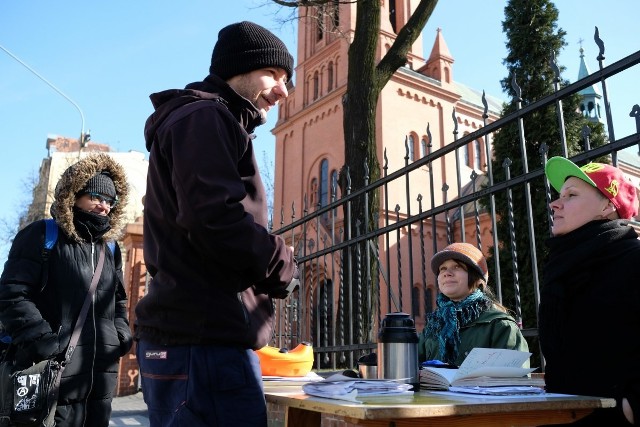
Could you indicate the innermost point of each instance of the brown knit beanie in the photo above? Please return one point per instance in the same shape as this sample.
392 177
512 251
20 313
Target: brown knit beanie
245 47
464 252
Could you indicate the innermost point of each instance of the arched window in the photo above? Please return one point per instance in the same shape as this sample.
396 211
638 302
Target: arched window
313 192
330 77
316 84
415 301
392 15
323 314
320 27
410 144
465 155
334 189
307 90
477 155
323 188
429 300
423 147
334 184
336 13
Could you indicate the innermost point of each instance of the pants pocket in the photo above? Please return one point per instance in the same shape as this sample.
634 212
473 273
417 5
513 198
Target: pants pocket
164 372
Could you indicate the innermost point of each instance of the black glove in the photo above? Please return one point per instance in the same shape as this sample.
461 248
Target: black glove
294 284
45 347
126 341
124 334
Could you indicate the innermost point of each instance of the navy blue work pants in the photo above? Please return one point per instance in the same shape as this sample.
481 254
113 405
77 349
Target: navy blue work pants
201 385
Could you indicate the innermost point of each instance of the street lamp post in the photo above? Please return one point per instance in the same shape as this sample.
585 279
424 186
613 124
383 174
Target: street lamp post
84 137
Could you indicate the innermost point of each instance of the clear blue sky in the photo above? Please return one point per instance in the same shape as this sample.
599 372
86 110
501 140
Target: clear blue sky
109 56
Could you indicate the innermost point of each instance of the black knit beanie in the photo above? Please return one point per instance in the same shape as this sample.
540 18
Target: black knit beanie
244 47
100 183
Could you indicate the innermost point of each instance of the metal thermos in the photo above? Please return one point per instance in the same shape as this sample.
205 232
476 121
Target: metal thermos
398 349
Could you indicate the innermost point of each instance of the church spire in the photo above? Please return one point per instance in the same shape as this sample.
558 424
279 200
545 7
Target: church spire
440 63
590 103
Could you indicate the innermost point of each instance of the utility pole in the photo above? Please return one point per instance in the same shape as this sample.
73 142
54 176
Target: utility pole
84 137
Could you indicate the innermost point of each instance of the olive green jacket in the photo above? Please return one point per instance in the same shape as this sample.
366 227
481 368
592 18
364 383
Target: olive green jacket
493 329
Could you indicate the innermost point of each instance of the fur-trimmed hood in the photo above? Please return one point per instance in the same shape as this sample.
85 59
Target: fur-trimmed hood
74 179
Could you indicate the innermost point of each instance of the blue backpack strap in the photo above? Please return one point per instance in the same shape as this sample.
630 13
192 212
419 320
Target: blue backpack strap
51 233
50 237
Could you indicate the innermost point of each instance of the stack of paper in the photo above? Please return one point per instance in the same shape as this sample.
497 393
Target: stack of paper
499 390
310 377
346 388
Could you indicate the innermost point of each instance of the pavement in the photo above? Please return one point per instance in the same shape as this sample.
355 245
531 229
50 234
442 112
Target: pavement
129 411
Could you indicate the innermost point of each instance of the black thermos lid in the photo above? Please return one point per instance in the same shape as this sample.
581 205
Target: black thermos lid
397 327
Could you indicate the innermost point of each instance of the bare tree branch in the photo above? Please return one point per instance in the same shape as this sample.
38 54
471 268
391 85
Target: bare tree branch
396 57
309 3
268 180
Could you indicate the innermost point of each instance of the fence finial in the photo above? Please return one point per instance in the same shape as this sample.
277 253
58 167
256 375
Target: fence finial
600 43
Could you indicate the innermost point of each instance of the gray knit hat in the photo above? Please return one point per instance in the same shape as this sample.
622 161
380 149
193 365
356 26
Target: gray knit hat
100 183
245 47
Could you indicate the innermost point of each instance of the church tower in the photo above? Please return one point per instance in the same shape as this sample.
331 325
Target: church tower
309 137
440 63
590 106
309 151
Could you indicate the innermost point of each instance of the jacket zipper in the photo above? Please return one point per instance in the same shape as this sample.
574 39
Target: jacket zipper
93 322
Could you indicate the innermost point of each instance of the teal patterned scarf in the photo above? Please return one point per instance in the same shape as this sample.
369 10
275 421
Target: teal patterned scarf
444 324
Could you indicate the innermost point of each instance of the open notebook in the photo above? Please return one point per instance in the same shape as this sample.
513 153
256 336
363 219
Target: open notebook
483 367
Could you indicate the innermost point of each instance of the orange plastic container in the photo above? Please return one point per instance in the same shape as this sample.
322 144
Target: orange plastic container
286 363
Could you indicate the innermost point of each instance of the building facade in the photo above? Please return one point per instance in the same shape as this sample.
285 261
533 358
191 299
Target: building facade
414 116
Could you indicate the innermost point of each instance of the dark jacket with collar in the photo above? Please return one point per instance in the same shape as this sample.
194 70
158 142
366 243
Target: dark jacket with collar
589 316
41 322
213 263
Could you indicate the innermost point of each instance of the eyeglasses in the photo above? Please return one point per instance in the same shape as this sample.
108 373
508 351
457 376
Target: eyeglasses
101 198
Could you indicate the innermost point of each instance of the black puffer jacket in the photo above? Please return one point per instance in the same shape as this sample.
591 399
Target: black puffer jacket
589 317
40 322
206 244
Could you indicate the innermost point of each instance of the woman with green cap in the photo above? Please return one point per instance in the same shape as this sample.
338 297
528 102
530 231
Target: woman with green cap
589 314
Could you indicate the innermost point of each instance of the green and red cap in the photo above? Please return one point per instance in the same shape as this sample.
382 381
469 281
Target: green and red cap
609 180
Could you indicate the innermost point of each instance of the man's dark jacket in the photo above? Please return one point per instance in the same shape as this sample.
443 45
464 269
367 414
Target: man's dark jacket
214 265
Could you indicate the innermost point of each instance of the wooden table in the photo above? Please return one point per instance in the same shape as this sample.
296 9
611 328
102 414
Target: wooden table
430 409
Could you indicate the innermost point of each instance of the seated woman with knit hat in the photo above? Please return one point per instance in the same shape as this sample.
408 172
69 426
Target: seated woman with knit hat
467 313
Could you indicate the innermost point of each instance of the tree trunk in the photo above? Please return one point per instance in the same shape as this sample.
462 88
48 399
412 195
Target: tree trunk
359 111
365 81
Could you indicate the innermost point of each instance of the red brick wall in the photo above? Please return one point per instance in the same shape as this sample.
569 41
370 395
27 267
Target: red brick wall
135 277
276 417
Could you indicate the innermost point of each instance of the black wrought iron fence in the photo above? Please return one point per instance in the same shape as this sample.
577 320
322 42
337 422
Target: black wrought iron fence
357 266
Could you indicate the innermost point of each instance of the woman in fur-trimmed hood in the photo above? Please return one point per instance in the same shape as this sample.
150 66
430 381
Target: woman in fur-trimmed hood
76 178
41 296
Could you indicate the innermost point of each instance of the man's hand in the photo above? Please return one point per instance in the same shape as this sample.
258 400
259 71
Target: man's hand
626 410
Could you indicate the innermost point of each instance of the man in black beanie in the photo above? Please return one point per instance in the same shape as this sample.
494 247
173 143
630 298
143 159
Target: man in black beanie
215 267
